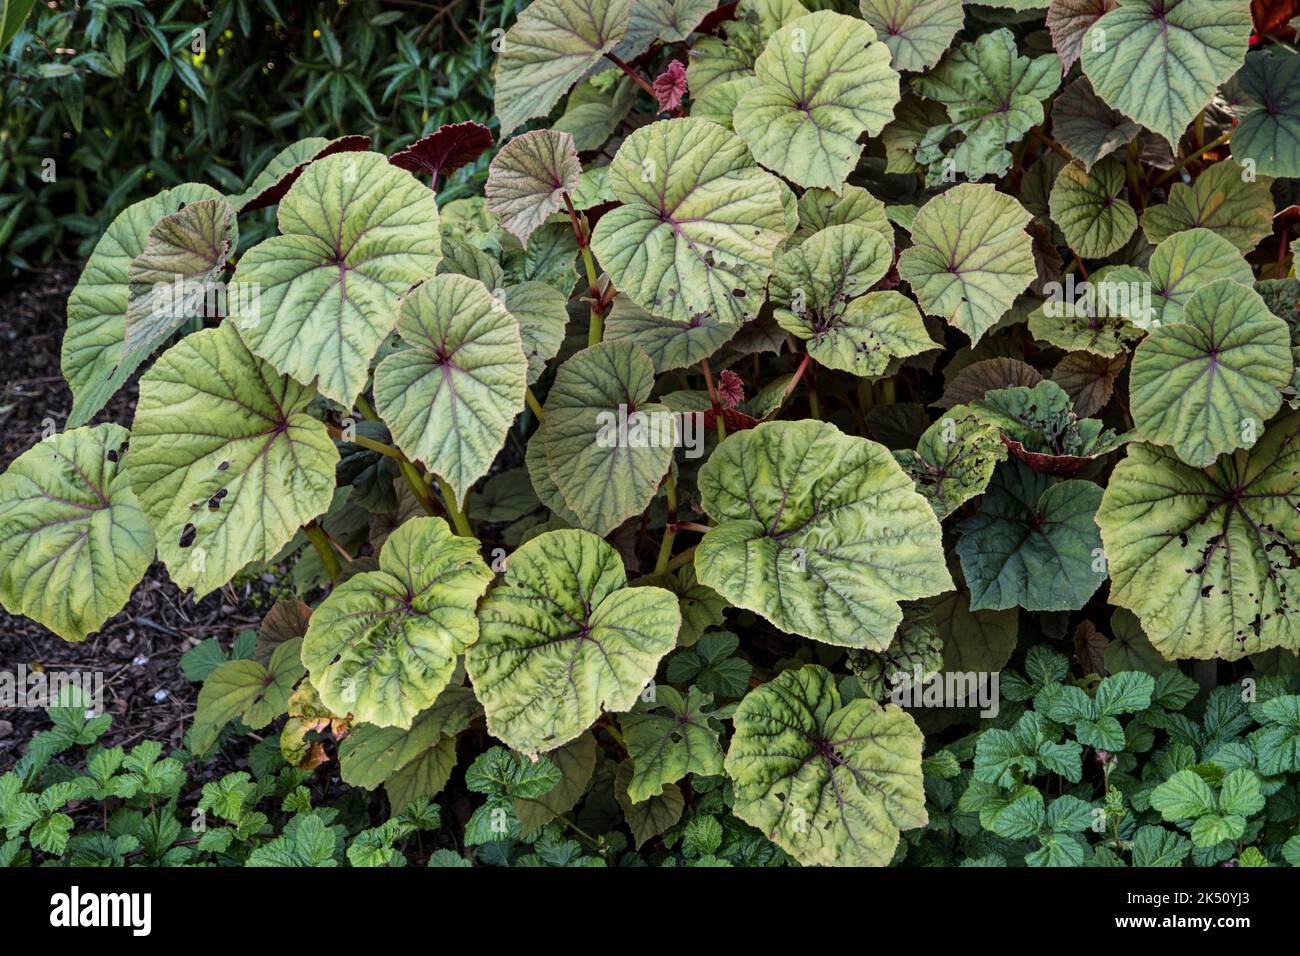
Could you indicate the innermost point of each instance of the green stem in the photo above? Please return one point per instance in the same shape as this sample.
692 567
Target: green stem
596 331
458 518
364 442
316 535
417 486
718 418
366 409
1193 156
681 559
670 531
533 404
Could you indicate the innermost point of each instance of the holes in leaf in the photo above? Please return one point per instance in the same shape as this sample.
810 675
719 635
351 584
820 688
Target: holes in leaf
188 534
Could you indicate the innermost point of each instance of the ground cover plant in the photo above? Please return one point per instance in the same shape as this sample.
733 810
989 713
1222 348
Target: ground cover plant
837 436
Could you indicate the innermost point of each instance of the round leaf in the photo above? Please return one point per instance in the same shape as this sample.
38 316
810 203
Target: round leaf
451 397
820 533
915 31
384 644
823 80
830 784
528 179
1087 207
970 256
1186 262
237 489
1161 62
73 540
356 233
563 639
699 224
1207 558
1207 384
1269 133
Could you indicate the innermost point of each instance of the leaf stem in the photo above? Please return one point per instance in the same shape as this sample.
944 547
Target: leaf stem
790 386
368 443
718 418
670 530
449 501
533 404
316 535
636 77
681 559
417 485
1193 156
582 232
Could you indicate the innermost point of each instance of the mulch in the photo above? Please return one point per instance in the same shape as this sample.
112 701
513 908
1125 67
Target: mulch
138 651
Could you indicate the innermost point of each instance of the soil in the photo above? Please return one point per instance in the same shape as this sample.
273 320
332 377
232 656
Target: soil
138 651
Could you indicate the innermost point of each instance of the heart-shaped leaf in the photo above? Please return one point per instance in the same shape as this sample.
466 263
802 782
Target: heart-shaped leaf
451 397
1087 207
1224 198
1208 383
698 226
93 361
549 48
1207 558
607 446
915 31
356 233
1186 262
384 644
1160 61
1033 543
820 533
73 540
237 490
823 80
970 256
1269 133
830 783
528 179
669 344
563 639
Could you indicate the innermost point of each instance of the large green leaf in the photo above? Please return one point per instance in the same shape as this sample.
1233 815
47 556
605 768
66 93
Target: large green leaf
73 540
970 256
954 459
831 784
669 344
854 206
1222 199
451 397
357 232
820 533
1269 133
669 737
93 345
1033 543
236 489
993 95
384 644
1207 558
528 179
1160 61
1086 204
1208 383
699 224
605 476
549 48
563 639
1183 264
864 335
915 31
823 80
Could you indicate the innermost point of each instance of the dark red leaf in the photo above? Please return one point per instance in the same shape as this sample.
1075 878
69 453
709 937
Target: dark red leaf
445 150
